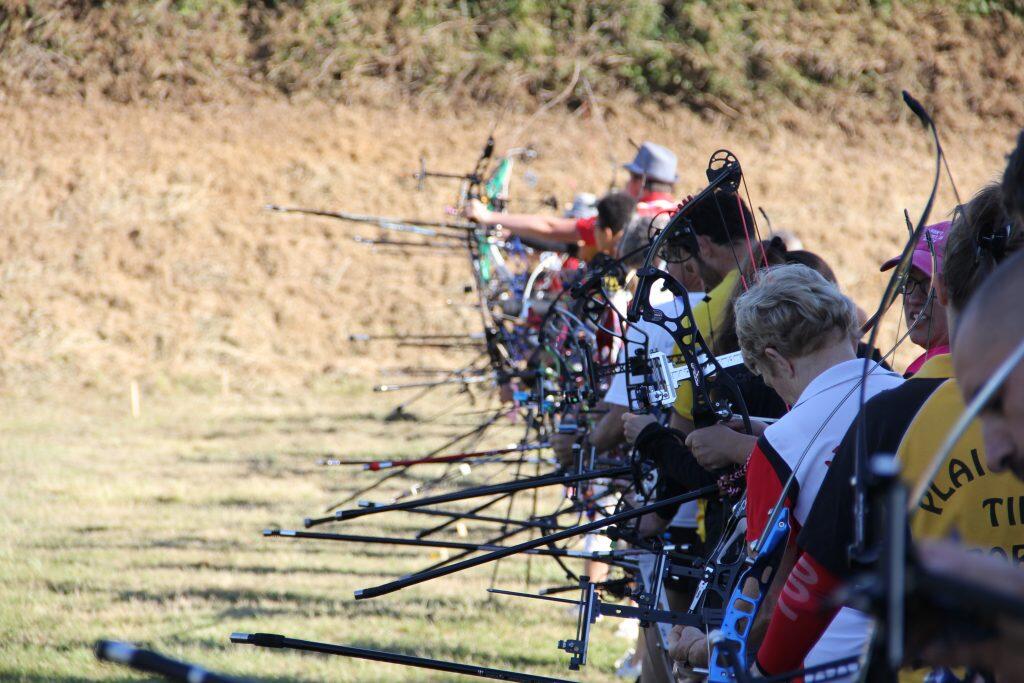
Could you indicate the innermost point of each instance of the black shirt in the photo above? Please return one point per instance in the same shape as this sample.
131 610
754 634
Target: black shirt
828 531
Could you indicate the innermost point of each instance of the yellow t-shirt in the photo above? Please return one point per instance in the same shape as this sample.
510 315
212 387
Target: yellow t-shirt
965 502
708 315
980 509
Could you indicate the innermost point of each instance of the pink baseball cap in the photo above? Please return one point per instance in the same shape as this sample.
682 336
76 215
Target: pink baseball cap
922 258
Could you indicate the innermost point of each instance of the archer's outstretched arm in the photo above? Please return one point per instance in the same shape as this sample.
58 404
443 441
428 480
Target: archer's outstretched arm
525 224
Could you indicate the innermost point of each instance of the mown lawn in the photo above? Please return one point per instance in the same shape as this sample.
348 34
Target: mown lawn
149 530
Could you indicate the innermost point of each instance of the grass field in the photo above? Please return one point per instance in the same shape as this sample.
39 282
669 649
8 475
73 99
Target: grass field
148 529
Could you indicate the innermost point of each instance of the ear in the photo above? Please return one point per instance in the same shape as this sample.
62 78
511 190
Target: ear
705 245
691 272
780 366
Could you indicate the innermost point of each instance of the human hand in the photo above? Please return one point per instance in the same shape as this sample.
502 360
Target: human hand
476 211
756 426
562 445
651 525
688 646
718 446
633 424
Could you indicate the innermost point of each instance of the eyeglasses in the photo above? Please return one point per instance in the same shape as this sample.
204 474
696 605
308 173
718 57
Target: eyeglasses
910 285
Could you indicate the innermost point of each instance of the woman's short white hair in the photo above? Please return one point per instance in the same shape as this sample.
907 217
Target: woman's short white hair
794 310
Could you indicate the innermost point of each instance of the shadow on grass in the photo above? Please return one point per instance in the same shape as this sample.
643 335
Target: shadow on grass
7 674
248 602
263 570
304 418
179 543
228 596
245 544
290 424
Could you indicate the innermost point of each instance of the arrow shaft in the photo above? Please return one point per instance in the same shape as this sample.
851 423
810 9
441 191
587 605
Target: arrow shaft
367 218
375 465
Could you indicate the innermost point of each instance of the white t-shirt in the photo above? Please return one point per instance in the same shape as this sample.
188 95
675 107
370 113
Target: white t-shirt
805 439
658 339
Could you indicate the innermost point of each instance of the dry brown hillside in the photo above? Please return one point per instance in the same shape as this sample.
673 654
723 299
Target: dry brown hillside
134 244
141 140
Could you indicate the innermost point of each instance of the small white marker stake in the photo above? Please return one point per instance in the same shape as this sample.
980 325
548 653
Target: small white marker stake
133 390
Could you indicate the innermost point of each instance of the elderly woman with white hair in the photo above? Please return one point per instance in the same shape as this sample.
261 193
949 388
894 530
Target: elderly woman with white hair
798 331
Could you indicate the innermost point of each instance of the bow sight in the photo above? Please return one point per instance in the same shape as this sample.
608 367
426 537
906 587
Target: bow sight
661 378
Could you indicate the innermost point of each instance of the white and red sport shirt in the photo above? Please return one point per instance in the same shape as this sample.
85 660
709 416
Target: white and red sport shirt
653 203
805 439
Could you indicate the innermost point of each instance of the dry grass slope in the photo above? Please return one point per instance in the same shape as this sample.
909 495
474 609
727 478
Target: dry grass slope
141 140
136 246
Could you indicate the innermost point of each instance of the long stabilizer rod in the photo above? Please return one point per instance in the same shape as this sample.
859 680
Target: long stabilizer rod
494 489
274 640
374 465
597 555
365 218
548 539
156 663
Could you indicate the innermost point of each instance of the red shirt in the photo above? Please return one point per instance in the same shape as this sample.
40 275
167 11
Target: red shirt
649 206
585 229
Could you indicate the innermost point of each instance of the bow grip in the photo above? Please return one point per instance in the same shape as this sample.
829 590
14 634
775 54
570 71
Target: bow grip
743 609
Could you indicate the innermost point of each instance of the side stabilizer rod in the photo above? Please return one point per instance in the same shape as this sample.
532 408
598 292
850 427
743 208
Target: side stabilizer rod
519 485
548 539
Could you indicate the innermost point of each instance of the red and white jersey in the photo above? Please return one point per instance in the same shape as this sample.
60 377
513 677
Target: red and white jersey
805 439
